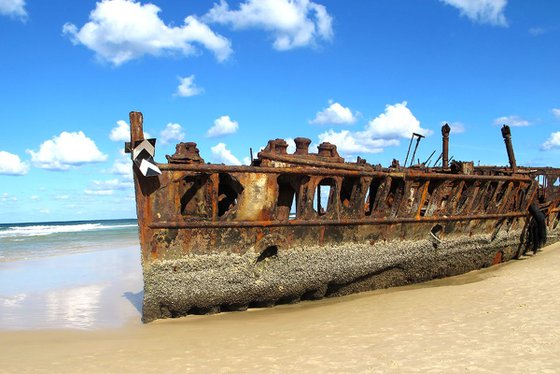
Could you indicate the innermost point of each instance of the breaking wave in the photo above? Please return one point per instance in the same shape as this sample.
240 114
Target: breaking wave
43 230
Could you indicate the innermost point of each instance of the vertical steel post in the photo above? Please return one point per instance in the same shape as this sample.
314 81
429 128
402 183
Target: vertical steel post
445 130
506 134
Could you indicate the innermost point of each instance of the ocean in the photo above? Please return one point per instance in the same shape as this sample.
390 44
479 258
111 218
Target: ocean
80 274
26 241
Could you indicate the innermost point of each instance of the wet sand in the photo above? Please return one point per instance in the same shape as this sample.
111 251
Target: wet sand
502 319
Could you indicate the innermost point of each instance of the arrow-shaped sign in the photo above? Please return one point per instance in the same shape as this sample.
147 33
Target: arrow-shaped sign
143 152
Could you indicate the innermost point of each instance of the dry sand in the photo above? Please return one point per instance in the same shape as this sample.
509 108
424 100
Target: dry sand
502 319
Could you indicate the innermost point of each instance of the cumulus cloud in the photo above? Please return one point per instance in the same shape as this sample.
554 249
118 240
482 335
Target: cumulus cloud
293 23
514 121
11 164
187 87
122 30
396 122
172 132
349 143
222 126
121 132
67 150
335 114
482 11
556 112
383 131
221 154
553 142
13 8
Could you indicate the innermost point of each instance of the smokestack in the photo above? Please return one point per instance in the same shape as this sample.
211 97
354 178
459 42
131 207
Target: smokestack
445 130
506 133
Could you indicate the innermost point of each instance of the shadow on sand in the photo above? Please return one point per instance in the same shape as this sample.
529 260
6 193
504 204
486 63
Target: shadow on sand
135 299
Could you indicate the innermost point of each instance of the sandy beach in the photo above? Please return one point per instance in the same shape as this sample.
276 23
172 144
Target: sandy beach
502 319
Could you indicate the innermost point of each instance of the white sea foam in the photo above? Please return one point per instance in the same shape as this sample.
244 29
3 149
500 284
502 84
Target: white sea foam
43 230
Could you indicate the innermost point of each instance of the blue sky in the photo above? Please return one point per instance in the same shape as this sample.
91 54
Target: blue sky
231 75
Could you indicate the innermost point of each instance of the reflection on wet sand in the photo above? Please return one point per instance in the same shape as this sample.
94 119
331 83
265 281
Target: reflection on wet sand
78 291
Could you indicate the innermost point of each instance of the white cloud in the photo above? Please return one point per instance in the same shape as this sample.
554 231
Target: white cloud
383 131
334 114
34 197
123 30
13 8
221 154
553 142
6 197
45 211
293 23
66 150
482 11
187 87
122 166
514 121
556 112
456 127
223 126
291 145
121 132
11 164
396 122
113 184
172 131
99 192
349 143
536 31
109 187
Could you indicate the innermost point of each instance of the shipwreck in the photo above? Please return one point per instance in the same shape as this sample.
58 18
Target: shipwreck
306 225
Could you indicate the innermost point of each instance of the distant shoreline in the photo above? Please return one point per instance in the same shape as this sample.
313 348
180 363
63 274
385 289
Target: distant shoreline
4 224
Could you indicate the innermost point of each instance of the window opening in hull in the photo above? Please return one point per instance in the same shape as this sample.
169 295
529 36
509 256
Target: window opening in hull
229 190
323 196
193 196
287 198
371 195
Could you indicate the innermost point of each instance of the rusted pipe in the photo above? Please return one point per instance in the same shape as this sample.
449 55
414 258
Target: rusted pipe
506 133
445 130
329 222
214 168
136 130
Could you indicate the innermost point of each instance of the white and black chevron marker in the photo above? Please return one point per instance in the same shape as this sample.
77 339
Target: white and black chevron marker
148 168
143 152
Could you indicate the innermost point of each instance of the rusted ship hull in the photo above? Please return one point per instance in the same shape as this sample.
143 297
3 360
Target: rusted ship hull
218 237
